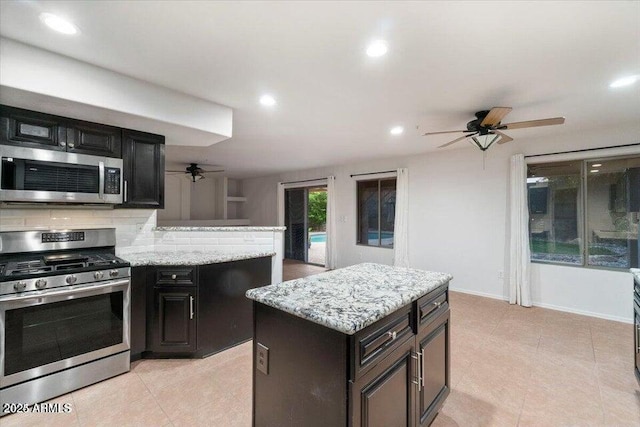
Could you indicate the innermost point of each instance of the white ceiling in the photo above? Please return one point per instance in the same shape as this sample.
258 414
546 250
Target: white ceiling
446 60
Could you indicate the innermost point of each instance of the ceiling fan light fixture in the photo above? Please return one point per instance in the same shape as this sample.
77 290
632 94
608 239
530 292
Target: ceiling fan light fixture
196 177
483 142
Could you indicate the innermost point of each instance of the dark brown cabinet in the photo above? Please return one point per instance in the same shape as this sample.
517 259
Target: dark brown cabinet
193 311
393 373
143 162
433 368
384 397
225 314
39 130
174 320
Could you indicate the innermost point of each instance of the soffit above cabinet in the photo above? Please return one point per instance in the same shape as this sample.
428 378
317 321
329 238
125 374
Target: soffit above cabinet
36 79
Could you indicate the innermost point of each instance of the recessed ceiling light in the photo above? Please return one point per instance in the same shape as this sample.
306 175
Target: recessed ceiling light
624 81
396 130
377 48
267 100
596 165
58 24
595 170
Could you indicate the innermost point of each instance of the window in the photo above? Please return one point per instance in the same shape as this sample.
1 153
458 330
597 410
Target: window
585 212
376 212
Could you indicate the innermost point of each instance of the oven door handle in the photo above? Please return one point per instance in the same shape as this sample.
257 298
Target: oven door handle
72 290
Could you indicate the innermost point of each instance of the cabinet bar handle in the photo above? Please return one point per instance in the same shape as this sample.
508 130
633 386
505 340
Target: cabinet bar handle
125 190
418 357
637 338
191 306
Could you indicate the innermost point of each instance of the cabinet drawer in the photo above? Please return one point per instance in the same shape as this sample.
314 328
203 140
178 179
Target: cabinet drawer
175 276
431 305
378 340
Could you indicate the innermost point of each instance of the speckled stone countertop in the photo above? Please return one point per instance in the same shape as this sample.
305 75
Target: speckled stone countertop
189 257
352 298
636 273
228 228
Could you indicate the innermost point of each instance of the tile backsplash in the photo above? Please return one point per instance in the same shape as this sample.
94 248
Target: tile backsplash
135 230
134 227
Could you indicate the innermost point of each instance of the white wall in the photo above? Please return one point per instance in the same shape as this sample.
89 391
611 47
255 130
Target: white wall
458 221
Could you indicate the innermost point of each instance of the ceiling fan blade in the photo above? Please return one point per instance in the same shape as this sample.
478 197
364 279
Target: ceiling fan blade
503 137
495 116
447 131
456 140
203 172
168 171
533 123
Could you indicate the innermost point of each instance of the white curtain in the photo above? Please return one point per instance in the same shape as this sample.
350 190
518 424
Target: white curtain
280 201
519 253
401 224
331 255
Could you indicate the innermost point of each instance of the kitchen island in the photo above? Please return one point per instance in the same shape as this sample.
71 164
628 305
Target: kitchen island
366 345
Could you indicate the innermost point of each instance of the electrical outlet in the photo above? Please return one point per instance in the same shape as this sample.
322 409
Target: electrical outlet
500 274
262 359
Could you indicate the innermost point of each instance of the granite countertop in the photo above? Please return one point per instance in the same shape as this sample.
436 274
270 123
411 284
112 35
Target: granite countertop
225 228
190 257
352 298
636 273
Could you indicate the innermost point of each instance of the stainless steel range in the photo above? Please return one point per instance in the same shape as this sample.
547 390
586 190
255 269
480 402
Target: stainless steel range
64 312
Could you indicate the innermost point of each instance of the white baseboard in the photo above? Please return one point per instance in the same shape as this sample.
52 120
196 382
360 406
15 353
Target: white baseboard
548 306
584 312
479 294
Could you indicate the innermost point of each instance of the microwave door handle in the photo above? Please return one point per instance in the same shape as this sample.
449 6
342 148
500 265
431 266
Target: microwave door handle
101 183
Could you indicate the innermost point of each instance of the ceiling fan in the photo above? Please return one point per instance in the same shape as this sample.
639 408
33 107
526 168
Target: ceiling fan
196 172
487 128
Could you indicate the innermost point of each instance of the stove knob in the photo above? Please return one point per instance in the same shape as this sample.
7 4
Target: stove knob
113 273
20 286
98 275
41 283
71 279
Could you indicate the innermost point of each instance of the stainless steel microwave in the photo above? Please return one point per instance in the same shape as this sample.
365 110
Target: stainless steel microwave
35 175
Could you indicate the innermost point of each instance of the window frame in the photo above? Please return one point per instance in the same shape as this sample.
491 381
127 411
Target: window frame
379 181
582 203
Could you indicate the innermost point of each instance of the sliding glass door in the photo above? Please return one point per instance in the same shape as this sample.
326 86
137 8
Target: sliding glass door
305 216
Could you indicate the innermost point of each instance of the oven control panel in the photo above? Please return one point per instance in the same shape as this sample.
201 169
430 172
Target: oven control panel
63 236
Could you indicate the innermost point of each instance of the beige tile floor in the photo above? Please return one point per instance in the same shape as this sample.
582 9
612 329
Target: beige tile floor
510 366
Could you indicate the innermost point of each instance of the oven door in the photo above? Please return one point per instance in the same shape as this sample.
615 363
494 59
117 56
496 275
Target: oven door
35 175
50 331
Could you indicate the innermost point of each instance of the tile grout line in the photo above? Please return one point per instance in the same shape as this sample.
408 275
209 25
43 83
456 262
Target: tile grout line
154 398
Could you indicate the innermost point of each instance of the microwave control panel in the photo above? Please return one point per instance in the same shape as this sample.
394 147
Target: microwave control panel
111 181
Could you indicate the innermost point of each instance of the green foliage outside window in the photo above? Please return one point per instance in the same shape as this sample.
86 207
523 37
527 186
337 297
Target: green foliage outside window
317 210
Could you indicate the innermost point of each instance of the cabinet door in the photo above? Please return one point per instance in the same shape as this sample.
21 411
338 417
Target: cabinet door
32 129
433 356
174 320
95 139
143 162
384 396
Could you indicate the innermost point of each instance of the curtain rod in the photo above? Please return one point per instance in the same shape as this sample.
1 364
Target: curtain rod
371 173
585 149
304 180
